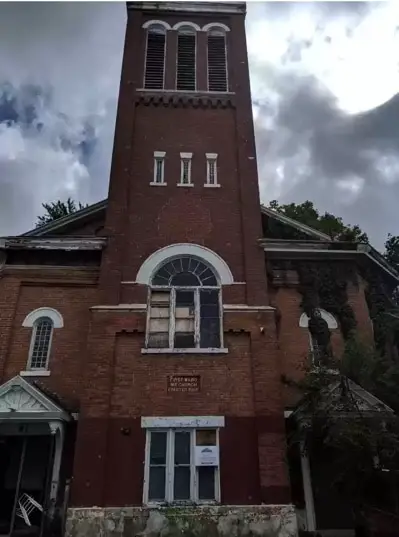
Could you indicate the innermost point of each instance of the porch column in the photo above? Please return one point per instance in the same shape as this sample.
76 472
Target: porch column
308 491
57 429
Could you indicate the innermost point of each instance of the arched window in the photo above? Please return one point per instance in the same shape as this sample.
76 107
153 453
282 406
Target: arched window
319 326
41 343
186 58
184 308
42 321
217 60
154 74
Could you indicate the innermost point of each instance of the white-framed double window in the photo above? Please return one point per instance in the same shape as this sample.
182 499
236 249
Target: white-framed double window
182 466
159 168
185 169
211 170
184 307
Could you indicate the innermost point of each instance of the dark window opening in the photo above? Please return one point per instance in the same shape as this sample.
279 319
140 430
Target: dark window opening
155 58
217 65
186 64
209 319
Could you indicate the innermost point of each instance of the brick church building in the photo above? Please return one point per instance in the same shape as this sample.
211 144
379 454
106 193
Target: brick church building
143 339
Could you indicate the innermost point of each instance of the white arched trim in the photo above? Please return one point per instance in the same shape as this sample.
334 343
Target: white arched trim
181 24
33 316
156 259
330 320
215 25
155 22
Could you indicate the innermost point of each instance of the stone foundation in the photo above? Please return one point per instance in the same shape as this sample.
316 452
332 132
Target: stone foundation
215 521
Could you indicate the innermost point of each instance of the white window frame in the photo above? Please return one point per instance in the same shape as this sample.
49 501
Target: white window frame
169 471
148 28
32 346
185 157
159 156
197 319
219 30
211 158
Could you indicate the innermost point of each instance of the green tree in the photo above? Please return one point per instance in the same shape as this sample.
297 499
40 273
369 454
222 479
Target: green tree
327 223
392 250
58 209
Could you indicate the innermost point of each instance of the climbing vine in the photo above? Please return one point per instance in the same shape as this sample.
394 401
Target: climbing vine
324 285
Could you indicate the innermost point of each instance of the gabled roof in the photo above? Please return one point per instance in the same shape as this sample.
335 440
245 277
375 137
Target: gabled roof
293 223
21 400
65 221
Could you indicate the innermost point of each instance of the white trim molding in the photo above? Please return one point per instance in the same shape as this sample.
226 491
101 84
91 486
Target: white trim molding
182 422
35 373
245 308
148 24
121 307
217 25
156 259
328 317
54 315
181 24
195 350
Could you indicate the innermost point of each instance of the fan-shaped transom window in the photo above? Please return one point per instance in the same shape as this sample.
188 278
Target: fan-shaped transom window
186 272
184 310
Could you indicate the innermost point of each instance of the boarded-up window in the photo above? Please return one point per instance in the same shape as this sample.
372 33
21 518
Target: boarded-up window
217 63
155 58
186 64
184 310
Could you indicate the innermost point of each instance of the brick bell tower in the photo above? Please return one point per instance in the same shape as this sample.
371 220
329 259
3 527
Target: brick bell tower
182 350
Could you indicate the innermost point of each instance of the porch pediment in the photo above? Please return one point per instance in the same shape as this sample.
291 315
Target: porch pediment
19 400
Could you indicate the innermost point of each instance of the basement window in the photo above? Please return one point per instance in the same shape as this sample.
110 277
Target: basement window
217 61
186 59
185 169
155 57
185 307
182 466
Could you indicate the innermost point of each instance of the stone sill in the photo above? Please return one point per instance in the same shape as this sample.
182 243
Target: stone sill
185 184
209 185
38 373
158 184
185 351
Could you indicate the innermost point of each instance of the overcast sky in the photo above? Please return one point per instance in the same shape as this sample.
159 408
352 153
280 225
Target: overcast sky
324 79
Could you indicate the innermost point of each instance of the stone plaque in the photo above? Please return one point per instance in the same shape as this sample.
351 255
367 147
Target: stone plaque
184 383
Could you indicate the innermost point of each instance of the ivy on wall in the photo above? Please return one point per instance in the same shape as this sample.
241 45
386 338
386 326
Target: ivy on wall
324 285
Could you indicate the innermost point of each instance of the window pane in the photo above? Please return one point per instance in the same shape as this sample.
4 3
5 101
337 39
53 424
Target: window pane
156 489
182 483
185 279
41 346
210 319
206 482
184 313
205 437
158 448
182 447
158 336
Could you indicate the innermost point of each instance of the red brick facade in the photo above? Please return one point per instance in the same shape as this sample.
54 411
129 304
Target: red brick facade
97 365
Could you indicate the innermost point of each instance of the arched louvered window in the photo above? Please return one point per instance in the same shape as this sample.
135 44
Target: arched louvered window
217 60
41 343
184 308
186 59
154 75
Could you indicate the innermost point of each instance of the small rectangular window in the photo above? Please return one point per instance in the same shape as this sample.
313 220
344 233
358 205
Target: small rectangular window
155 58
185 169
217 65
159 168
172 474
211 169
186 64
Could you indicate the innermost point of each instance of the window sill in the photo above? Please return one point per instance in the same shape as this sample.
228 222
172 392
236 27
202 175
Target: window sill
185 351
186 184
33 373
209 185
158 184
180 504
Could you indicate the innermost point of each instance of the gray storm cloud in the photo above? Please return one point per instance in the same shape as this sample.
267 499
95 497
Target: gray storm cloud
56 140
